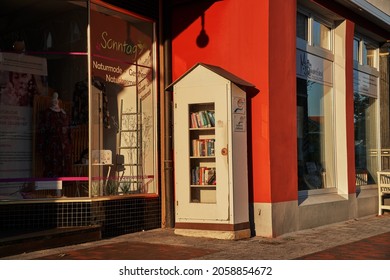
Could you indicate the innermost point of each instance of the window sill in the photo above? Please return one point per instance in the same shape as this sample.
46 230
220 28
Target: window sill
367 191
311 197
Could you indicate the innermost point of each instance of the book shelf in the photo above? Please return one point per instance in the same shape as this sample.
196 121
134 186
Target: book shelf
202 155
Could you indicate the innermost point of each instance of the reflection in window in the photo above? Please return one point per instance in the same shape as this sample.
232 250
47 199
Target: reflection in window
315 135
369 53
302 26
356 48
40 146
365 53
123 117
365 139
52 108
314 32
321 35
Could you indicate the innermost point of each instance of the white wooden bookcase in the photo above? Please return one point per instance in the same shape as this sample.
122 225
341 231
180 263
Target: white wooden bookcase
210 147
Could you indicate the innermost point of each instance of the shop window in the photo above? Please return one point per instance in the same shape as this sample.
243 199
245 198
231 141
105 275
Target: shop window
367 154
315 103
123 104
315 135
50 102
40 63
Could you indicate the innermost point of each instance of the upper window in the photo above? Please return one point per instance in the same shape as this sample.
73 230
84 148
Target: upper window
302 26
320 35
365 52
315 32
356 50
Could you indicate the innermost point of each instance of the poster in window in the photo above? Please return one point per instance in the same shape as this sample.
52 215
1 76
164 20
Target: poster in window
21 78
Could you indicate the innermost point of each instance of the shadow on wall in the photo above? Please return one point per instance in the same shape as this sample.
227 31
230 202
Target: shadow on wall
193 10
203 39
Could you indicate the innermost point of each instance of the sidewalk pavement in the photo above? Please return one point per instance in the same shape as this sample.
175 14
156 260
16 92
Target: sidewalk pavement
360 239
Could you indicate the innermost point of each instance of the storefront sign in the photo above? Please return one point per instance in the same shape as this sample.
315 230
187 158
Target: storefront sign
365 84
314 68
123 47
117 46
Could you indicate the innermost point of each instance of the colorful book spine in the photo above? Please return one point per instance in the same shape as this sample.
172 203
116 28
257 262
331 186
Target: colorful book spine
202 119
203 147
203 176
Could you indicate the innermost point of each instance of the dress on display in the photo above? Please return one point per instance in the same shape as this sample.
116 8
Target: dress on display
55 143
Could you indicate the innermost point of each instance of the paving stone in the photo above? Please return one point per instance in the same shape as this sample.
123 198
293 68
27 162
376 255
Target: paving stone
361 239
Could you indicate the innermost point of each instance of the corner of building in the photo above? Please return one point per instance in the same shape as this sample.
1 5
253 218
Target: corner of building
275 219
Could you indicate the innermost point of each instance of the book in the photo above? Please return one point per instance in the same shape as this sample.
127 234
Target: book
211 147
206 118
211 115
194 123
198 120
204 146
211 176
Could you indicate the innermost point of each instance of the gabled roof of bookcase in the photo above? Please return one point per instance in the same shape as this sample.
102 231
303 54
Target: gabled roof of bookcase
218 70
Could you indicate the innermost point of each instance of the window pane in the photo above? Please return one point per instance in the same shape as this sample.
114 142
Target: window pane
366 152
315 135
45 109
302 26
364 54
37 140
123 119
356 49
321 35
369 55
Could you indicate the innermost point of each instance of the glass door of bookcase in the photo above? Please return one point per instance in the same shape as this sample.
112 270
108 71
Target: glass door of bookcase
202 153
201 129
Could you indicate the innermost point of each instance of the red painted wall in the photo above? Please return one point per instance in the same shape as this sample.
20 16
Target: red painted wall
240 42
282 90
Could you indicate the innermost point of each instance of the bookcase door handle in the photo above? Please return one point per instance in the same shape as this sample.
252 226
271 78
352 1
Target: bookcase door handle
224 151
